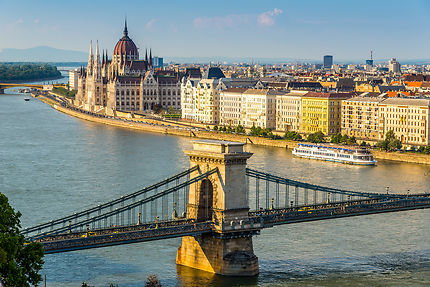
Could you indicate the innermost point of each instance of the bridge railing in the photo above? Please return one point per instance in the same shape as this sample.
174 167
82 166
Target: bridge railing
155 207
268 191
111 205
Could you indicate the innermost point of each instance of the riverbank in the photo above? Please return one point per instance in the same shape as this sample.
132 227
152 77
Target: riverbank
33 81
179 129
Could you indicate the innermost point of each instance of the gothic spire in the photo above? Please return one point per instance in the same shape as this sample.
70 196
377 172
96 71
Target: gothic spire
146 55
125 28
150 57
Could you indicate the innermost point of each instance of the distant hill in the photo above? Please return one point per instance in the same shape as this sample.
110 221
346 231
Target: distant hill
42 54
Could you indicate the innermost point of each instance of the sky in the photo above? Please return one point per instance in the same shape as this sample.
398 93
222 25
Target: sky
305 29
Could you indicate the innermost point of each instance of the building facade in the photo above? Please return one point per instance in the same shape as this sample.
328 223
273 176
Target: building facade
73 79
231 109
322 112
360 117
288 111
200 98
125 82
259 108
407 118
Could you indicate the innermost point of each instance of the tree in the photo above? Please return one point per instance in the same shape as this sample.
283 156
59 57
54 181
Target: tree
317 137
351 141
152 281
336 139
291 135
215 128
20 261
171 110
390 143
240 129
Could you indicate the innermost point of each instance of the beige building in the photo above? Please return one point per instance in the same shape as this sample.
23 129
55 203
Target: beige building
231 112
360 117
73 79
259 108
200 98
407 118
288 109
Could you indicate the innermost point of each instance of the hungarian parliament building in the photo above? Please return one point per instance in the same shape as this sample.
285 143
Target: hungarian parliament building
125 82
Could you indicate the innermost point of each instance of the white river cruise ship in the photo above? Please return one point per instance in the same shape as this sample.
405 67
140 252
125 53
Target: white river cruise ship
329 152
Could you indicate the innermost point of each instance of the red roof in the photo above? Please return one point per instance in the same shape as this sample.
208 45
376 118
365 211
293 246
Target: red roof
126 46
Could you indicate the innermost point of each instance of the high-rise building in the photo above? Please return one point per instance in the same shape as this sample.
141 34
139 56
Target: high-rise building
328 61
370 62
394 66
157 62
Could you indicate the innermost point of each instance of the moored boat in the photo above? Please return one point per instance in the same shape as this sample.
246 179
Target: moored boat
336 153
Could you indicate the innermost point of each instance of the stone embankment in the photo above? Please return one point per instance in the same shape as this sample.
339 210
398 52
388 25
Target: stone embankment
180 129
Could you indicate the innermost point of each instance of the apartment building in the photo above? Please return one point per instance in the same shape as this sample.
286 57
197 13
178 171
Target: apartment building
407 118
288 109
360 116
322 112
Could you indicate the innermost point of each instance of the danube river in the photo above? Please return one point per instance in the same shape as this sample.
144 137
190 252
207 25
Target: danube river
52 165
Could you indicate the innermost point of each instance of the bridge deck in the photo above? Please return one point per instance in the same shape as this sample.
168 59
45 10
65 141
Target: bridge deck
257 220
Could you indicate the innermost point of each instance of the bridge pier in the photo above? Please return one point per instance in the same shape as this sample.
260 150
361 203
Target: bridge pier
1 91
222 199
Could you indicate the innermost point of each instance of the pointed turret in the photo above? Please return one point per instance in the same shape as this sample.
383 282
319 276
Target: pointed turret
146 55
125 28
97 55
90 59
150 58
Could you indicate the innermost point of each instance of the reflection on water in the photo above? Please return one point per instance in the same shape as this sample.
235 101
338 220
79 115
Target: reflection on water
53 165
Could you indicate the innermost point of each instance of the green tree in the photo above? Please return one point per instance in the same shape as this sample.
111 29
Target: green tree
336 139
351 141
215 128
240 129
171 110
292 135
390 143
317 137
426 150
20 261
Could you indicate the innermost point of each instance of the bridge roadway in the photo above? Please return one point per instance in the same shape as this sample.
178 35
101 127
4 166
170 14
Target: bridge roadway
257 220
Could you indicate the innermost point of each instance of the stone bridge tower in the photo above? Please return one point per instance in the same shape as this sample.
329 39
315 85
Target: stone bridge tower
223 199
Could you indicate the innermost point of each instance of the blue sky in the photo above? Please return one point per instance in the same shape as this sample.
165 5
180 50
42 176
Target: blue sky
303 29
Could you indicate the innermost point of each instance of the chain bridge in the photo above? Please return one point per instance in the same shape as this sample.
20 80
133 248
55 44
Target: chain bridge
216 206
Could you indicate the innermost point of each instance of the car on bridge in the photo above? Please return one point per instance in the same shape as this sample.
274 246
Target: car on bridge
88 234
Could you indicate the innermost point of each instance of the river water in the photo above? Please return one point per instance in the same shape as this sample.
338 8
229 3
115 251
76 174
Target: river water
52 165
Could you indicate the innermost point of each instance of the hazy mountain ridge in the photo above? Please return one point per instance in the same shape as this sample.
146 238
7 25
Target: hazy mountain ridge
42 54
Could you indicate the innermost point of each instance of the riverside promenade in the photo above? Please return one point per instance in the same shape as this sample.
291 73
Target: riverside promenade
142 123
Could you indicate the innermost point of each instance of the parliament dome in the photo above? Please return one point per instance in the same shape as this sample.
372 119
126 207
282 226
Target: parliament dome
126 46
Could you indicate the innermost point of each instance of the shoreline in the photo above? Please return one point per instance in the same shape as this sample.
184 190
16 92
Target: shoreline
148 126
33 81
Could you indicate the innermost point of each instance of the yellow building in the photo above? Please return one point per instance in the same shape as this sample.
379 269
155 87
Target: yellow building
322 112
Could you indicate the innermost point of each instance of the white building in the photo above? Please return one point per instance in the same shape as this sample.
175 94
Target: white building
231 112
394 66
288 111
73 79
200 98
259 108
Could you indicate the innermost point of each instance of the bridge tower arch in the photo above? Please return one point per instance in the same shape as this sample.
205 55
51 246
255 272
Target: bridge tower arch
223 199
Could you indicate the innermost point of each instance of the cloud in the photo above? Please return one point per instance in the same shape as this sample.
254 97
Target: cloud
36 21
150 24
221 22
267 18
